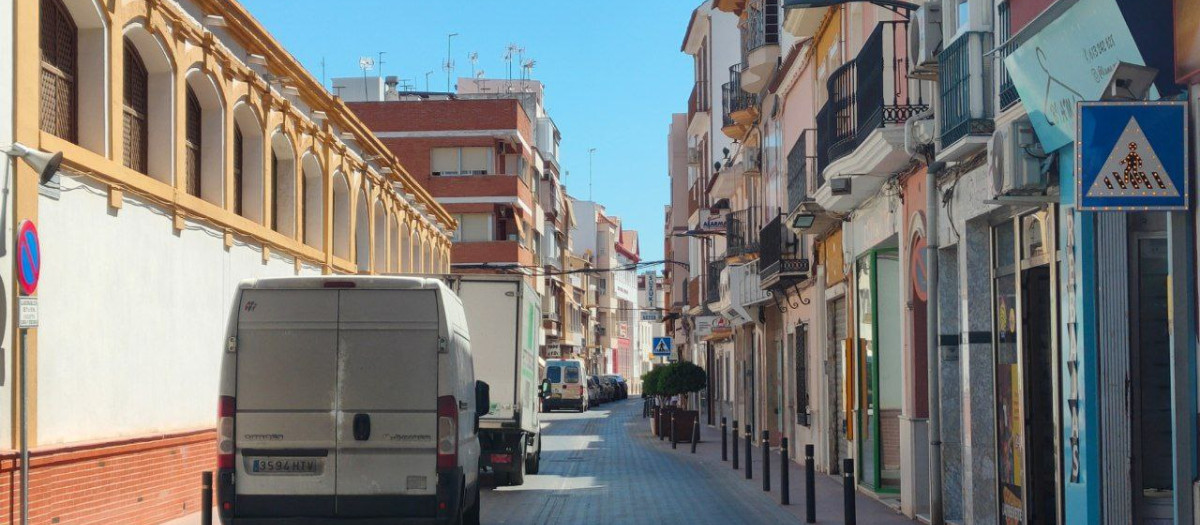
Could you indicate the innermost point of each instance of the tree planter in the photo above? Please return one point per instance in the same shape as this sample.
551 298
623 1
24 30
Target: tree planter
684 421
664 421
654 421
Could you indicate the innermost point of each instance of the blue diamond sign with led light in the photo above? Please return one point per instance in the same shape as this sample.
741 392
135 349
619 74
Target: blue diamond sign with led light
1131 156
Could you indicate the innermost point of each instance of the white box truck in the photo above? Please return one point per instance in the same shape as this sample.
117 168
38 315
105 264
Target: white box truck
505 315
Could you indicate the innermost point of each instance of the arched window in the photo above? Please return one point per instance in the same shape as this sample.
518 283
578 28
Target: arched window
313 210
248 152
283 185
137 109
362 233
381 221
341 216
192 143
406 263
394 240
60 94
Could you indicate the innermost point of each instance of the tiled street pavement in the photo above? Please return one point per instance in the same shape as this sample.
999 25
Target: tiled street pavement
603 466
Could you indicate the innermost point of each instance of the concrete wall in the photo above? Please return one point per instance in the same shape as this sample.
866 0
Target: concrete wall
133 316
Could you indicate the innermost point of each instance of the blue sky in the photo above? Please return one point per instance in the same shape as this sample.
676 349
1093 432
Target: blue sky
613 73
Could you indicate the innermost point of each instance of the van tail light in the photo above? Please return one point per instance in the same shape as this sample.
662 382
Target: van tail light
447 432
225 447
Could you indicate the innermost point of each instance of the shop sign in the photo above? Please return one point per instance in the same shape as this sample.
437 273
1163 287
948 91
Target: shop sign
714 222
651 316
1070 61
704 325
1132 156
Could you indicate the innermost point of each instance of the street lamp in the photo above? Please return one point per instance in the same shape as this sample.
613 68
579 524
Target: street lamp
811 216
46 164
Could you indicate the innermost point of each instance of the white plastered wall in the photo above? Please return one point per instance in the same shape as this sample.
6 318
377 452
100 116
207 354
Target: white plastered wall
6 277
133 316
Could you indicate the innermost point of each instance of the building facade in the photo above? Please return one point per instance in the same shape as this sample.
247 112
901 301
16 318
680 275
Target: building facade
196 153
908 273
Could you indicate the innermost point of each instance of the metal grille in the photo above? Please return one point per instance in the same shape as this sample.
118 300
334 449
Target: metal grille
958 117
1008 91
193 143
136 136
237 170
800 164
59 39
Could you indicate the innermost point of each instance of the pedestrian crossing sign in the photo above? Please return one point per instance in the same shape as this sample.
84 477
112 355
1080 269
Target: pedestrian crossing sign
1132 156
662 346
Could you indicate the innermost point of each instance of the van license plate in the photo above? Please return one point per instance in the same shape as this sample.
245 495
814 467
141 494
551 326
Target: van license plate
287 466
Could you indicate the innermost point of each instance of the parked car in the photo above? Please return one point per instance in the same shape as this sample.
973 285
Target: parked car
621 389
338 367
596 391
568 385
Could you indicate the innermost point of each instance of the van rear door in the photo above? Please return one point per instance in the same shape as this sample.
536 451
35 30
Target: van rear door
387 402
286 381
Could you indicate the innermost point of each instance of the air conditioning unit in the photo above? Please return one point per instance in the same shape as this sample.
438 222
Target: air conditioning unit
839 186
925 41
1013 169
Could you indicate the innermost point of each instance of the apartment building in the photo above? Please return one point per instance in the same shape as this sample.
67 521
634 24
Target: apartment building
913 277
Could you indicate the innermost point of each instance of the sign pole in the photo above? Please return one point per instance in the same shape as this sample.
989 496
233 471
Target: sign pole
24 433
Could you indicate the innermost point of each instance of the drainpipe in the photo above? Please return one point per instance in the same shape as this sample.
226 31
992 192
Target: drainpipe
932 333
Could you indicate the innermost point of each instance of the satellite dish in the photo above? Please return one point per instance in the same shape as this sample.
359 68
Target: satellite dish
366 63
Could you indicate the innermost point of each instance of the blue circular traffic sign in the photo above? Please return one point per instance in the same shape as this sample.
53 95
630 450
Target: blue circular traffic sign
29 257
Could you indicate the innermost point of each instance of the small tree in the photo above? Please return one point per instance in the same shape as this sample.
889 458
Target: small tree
652 383
682 378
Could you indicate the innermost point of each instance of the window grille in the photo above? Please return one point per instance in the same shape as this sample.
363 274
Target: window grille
193 143
59 94
136 136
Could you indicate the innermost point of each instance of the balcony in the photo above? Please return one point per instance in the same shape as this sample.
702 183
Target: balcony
780 262
713 281
860 131
965 115
699 101
693 292
801 166
804 22
509 189
1008 92
741 234
491 252
739 109
760 43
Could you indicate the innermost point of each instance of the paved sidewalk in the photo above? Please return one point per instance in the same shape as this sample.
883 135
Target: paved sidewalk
829 496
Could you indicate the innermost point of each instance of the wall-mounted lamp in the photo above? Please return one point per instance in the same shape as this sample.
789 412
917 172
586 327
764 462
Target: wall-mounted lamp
46 164
1129 82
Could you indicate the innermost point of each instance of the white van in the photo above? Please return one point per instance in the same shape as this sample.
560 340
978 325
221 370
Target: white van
568 385
348 399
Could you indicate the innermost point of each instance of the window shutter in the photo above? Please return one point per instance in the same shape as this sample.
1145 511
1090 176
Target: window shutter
193 143
137 83
475 160
58 41
444 161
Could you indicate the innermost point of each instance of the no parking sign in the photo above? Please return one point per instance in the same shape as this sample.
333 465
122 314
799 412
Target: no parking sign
29 257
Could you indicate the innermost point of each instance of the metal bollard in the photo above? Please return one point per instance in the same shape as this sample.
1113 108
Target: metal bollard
810 488
206 497
724 441
735 449
749 457
695 433
848 491
784 487
674 442
766 455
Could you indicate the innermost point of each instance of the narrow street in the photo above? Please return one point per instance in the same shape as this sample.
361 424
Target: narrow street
603 466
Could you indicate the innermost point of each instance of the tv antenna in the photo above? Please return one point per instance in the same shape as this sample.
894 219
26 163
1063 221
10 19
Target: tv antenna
379 63
427 73
511 52
591 153
366 64
449 64
474 58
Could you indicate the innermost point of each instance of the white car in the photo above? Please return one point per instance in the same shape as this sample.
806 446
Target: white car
348 399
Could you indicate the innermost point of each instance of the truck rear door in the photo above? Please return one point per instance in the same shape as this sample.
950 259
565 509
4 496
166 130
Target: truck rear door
285 397
387 402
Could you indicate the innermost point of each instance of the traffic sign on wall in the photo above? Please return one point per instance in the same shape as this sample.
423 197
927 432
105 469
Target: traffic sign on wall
1131 156
662 346
29 257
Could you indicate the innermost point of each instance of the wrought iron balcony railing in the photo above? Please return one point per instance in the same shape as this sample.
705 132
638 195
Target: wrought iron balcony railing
780 256
869 92
761 25
741 232
734 99
713 282
961 114
801 164
1008 92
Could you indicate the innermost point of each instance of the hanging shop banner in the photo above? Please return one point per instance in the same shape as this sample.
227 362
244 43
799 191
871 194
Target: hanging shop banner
1070 61
1132 156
